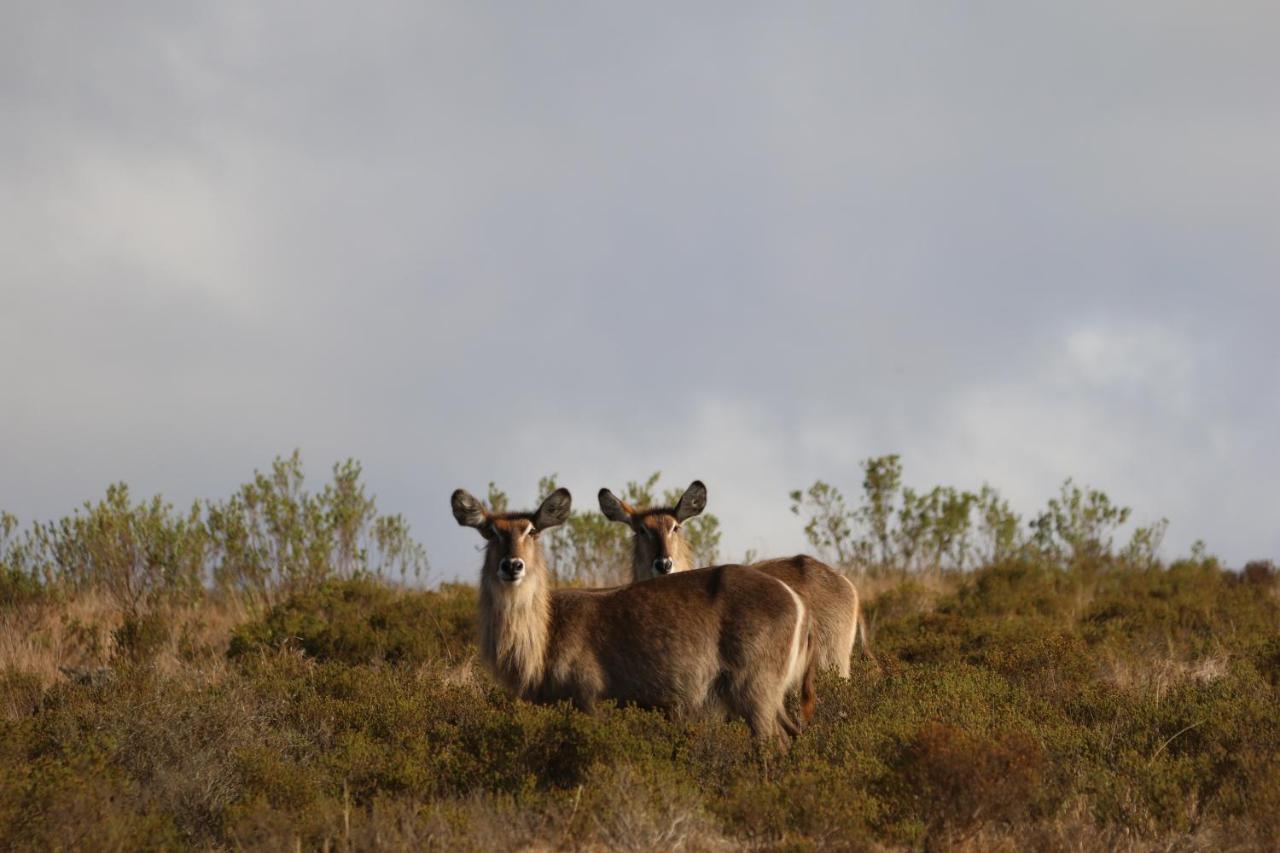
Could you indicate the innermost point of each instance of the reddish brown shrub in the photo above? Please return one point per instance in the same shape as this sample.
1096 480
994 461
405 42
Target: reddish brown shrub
960 780
1259 572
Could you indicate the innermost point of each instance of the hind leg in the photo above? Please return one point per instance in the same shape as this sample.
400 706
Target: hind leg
769 720
839 646
765 714
790 726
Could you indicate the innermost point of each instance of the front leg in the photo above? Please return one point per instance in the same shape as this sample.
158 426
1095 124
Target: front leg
584 701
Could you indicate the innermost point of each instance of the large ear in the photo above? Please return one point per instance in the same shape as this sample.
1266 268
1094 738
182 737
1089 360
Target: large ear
692 502
467 510
614 509
554 510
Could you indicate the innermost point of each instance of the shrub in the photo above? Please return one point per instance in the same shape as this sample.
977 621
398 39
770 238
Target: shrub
20 581
273 539
362 620
141 636
959 780
1259 573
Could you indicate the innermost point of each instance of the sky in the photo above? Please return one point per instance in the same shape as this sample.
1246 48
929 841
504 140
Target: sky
1012 242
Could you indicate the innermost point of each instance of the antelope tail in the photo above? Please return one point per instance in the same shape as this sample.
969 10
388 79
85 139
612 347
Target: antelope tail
860 632
808 695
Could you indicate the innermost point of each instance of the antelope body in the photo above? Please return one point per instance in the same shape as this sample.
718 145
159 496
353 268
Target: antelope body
659 549
725 639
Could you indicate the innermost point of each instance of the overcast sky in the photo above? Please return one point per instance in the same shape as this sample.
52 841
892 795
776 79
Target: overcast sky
1011 242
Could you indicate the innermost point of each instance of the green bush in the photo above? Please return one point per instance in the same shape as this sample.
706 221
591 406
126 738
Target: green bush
362 620
141 636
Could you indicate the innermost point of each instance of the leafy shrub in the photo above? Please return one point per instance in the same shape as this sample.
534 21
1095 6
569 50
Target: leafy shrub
897 528
959 780
141 554
17 588
1259 573
1267 659
362 620
140 636
20 693
20 582
272 538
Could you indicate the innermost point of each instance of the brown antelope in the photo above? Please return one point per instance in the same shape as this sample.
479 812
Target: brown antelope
658 547
725 639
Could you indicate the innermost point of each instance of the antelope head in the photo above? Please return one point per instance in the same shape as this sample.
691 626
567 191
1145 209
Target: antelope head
513 553
658 546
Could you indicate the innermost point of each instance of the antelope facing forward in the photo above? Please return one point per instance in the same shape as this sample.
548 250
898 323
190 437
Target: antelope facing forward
727 638
659 548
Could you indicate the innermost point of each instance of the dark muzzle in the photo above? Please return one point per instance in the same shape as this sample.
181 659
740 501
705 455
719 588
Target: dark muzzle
511 570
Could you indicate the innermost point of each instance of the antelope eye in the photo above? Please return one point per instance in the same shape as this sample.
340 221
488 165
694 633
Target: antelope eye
675 528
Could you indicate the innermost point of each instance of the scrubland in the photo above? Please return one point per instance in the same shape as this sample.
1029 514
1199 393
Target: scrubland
292 690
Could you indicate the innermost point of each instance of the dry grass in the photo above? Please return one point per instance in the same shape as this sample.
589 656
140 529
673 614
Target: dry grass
1157 674
45 638
76 639
1075 831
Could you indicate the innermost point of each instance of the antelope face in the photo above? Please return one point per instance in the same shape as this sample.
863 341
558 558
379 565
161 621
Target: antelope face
658 544
513 553
656 540
513 545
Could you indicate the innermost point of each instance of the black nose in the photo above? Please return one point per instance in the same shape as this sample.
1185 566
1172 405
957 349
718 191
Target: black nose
512 567
662 565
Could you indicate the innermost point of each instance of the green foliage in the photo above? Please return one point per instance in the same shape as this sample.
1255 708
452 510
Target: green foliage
363 621
897 528
881 483
141 555
830 525
272 538
20 581
141 636
1078 525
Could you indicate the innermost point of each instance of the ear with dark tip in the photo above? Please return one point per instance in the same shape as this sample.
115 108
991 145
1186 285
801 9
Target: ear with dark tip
554 510
468 511
692 502
614 509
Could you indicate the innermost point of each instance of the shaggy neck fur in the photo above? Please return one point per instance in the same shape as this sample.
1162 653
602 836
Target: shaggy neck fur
514 625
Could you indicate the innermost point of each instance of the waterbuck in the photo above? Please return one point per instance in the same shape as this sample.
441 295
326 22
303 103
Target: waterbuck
726 639
658 548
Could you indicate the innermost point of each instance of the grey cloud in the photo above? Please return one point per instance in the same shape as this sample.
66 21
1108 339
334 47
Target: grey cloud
466 243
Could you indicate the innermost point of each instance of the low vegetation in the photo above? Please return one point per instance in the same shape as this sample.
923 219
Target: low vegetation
177 680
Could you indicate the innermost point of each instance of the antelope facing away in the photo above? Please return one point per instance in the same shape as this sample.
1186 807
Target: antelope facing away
658 548
726 639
